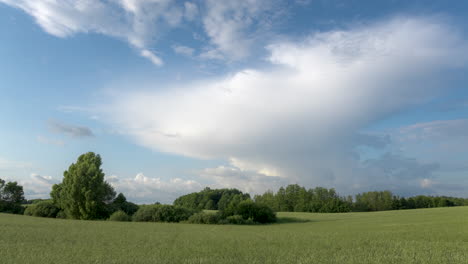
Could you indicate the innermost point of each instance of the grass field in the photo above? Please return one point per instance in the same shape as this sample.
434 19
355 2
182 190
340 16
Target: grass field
437 235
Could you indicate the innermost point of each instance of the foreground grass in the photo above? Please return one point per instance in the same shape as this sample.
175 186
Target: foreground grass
438 235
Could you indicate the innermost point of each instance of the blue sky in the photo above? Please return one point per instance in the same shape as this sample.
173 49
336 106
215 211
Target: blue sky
254 94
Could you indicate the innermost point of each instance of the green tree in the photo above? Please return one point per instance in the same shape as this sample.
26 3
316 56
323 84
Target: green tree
83 193
120 203
11 197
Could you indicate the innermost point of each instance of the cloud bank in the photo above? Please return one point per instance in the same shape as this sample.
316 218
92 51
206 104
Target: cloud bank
143 189
301 119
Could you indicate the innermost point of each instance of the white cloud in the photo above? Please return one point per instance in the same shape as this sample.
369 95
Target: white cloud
191 11
183 50
301 118
152 57
247 181
38 186
137 21
230 24
232 27
143 189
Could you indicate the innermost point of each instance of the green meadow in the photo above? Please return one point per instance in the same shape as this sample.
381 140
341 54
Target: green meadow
437 235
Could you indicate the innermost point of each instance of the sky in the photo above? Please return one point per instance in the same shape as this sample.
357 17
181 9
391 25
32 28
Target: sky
250 94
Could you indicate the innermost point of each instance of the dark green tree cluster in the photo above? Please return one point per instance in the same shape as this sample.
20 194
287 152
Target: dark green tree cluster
385 200
11 197
162 213
234 207
120 203
45 208
295 198
237 212
211 199
374 201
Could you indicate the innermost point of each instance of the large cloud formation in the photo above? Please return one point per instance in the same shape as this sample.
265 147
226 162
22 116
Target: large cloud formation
301 119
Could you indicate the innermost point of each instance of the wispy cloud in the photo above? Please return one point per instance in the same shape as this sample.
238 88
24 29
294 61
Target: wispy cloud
69 130
137 22
183 50
231 27
234 26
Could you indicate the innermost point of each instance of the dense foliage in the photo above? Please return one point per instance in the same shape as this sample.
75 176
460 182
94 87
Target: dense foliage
83 193
258 213
120 216
205 218
211 199
11 197
120 203
234 207
162 213
295 198
42 209
238 212
385 200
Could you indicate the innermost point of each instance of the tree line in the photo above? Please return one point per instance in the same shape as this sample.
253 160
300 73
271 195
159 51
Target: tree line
295 198
84 194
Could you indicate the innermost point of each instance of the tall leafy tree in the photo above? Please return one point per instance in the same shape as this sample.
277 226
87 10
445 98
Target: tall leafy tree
83 193
11 197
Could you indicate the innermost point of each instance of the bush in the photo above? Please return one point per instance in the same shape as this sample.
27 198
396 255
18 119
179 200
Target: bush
235 219
61 214
162 213
120 216
42 209
205 218
258 213
244 213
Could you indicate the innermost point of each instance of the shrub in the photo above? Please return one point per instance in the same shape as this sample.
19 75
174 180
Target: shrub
42 209
162 213
258 213
144 213
61 214
205 218
235 219
119 216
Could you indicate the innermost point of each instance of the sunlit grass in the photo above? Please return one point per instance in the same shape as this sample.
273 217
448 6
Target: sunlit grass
437 235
